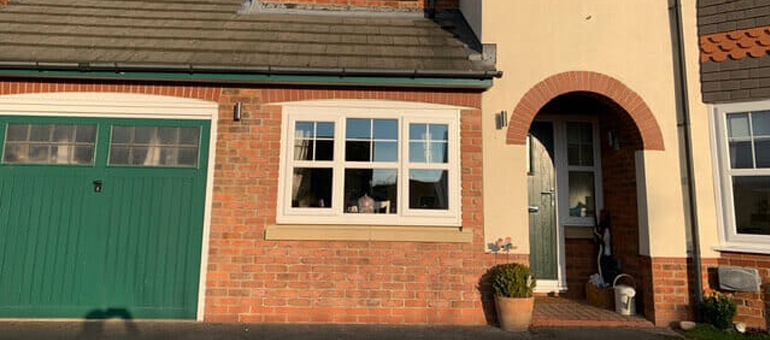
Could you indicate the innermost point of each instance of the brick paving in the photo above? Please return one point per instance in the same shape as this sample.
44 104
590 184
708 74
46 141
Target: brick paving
557 311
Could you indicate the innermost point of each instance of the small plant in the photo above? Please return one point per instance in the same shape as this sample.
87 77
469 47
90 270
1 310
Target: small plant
513 280
719 310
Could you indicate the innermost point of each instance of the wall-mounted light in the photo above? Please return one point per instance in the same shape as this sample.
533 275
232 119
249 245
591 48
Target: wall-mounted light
237 111
502 119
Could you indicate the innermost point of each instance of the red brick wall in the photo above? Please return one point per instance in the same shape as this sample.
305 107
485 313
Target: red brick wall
753 308
414 4
254 280
581 263
250 279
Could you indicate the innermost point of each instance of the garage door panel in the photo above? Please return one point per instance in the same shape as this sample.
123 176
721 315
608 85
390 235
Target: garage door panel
46 238
150 236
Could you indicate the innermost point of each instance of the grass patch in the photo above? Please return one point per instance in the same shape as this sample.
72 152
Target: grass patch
709 332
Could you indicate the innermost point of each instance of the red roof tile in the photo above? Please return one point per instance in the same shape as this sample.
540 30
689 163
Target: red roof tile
754 42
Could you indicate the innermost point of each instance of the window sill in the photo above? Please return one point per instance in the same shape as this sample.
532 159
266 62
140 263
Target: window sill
743 248
367 233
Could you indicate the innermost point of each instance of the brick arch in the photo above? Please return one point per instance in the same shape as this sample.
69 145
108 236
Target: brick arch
585 81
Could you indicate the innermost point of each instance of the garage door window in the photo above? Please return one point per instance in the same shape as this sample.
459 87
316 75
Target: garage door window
49 144
154 146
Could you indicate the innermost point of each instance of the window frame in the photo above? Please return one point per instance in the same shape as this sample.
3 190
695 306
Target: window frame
338 112
730 239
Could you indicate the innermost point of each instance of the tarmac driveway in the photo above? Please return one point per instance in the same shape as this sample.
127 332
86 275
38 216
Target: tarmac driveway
115 329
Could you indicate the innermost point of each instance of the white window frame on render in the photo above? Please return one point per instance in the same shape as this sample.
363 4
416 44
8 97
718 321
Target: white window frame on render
730 240
338 111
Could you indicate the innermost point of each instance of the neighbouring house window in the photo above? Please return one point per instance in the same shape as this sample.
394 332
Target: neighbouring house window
743 135
49 143
370 165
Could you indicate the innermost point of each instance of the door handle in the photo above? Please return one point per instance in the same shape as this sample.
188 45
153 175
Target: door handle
97 186
534 209
549 192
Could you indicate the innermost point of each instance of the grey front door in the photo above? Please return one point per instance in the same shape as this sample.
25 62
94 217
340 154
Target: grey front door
541 183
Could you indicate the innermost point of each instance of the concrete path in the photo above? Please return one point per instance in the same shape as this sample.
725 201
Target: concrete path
115 329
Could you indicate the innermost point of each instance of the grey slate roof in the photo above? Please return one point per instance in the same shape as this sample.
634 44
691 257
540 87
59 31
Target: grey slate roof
211 32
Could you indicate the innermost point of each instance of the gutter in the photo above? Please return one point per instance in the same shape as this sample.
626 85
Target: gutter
675 7
258 74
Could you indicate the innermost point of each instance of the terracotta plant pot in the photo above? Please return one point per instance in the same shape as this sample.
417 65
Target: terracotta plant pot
514 314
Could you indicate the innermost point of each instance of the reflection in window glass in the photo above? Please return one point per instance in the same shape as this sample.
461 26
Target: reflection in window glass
368 140
581 194
154 146
49 143
311 188
428 189
428 143
580 146
314 141
751 199
371 191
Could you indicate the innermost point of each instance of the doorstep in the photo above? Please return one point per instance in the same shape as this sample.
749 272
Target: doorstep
559 311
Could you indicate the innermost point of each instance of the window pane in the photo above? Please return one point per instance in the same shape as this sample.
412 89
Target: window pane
188 156
760 122
189 136
40 133
303 150
428 189
49 143
439 132
418 152
63 133
371 191
39 154
358 151
738 125
324 130
418 131
580 144
438 153
121 134
751 196
145 134
324 150
17 132
386 129
15 153
385 151
762 151
581 194
85 134
311 188
303 130
359 128
740 155
119 155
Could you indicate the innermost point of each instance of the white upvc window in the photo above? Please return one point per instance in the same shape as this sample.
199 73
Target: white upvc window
743 163
364 164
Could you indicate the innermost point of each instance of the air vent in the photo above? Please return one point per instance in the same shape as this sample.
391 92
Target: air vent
739 279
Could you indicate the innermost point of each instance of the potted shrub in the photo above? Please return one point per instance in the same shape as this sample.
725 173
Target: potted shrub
513 284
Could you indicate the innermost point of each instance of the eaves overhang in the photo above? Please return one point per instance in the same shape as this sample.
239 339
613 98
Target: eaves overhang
457 79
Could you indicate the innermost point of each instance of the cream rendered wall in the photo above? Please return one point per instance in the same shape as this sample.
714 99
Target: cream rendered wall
628 40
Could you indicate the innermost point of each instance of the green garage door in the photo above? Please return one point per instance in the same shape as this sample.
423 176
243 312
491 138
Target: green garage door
101 217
